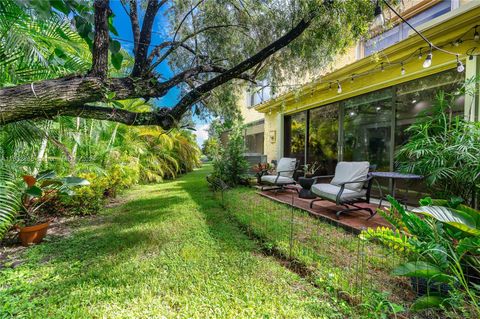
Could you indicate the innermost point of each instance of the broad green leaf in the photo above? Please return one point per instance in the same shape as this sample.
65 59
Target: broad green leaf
111 26
50 174
114 46
117 59
427 302
75 181
34 191
423 270
452 217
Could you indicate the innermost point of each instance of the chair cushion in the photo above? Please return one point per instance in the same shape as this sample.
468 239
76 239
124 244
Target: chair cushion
350 172
286 164
329 191
282 180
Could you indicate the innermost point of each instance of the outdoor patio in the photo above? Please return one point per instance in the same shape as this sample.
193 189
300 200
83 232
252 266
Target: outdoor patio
326 210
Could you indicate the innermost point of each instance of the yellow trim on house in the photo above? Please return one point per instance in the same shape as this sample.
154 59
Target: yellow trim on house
441 30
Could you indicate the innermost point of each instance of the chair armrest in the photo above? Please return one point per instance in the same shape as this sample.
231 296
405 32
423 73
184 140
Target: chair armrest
359 181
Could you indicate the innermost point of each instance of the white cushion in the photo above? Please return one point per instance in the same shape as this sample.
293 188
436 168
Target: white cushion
287 166
282 180
329 191
350 172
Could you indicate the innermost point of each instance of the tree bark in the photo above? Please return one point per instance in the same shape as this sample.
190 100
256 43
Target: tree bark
101 40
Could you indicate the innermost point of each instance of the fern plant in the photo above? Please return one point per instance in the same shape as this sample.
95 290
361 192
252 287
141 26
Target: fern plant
10 202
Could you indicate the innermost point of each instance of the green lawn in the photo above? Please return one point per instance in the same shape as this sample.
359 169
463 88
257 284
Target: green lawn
171 250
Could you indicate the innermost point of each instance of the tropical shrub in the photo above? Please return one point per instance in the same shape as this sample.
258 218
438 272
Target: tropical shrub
230 165
440 247
445 149
211 147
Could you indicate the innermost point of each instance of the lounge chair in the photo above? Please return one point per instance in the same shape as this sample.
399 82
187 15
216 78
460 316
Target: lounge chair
351 184
286 167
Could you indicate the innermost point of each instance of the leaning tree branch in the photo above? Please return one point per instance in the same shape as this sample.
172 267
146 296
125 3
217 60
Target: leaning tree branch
101 40
72 96
194 95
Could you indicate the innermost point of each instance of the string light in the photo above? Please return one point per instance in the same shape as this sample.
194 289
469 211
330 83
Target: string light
428 61
460 67
379 19
476 35
470 53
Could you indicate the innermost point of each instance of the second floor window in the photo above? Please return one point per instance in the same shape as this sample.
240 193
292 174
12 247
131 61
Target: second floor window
259 94
401 31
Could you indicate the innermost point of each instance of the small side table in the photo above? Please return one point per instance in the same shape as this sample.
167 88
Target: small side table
393 176
306 183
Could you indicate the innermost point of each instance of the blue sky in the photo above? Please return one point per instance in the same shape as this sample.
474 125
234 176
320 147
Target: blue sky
123 26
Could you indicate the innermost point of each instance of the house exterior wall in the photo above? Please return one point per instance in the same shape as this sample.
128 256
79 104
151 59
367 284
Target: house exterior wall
441 30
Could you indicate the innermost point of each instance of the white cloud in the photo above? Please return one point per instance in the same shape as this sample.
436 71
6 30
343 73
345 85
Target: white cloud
201 133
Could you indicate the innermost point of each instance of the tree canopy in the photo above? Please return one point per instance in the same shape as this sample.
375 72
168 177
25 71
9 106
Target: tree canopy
210 46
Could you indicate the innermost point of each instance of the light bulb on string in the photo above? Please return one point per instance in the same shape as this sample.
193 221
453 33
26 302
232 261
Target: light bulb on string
428 61
476 35
382 68
379 21
339 87
460 67
402 71
420 55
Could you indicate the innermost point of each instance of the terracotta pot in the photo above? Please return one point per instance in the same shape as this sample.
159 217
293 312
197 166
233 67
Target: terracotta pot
33 234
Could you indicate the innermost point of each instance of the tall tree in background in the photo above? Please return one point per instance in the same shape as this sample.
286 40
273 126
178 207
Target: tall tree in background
209 44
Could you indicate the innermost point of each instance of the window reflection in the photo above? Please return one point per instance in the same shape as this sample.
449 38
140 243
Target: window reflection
323 138
295 132
367 129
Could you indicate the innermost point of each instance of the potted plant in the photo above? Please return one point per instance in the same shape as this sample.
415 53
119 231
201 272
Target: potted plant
39 190
441 242
261 169
310 169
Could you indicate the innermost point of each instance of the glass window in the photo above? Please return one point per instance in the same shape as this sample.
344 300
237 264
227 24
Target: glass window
427 15
401 31
415 99
382 41
323 138
367 129
295 133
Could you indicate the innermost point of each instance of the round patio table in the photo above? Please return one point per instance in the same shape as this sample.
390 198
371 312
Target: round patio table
393 176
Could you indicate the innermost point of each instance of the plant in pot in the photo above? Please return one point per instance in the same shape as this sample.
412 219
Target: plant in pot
440 239
38 191
310 169
261 169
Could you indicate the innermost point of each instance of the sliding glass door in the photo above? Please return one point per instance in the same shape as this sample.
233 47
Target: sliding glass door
367 129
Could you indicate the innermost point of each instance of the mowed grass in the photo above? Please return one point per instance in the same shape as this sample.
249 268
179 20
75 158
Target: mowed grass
170 251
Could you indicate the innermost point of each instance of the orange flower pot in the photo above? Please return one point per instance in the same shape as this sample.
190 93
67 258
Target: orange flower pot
33 234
